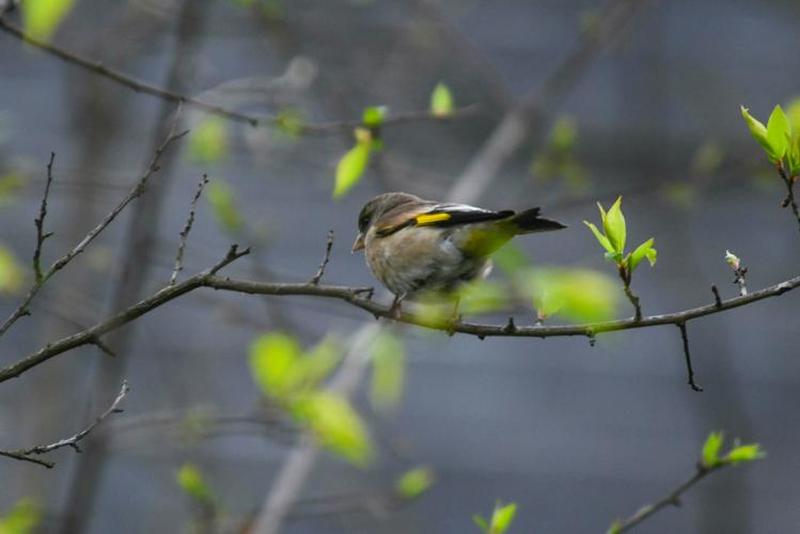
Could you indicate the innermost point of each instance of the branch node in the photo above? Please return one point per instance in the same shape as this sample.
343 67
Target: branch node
510 327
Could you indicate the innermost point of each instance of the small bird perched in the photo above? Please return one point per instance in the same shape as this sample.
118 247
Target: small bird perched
414 246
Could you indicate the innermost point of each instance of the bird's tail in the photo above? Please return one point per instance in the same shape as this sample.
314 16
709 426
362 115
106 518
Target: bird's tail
528 222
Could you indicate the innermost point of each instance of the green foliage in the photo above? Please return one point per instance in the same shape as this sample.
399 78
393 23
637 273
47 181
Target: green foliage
10 184
11 277
41 17
388 370
291 122
557 160
22 518
335 424
614 236
208 140
615 528
482 296
353 164
373 116
192 482
711 456
780 138
501 519
441 101
223 205
579 295
414 483
282 370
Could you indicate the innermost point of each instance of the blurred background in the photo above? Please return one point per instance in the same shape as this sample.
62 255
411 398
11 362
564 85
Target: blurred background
639 98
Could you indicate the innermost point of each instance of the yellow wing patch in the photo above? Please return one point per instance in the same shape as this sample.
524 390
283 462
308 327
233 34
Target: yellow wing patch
431 218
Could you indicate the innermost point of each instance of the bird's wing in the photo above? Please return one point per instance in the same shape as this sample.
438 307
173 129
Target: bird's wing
438 215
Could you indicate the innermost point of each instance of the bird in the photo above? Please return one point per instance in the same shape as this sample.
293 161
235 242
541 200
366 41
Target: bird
415 246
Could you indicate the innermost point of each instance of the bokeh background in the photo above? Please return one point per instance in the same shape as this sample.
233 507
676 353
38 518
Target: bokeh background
576 435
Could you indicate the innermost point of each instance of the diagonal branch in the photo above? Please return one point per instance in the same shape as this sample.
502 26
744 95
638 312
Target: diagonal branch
41 235
184 235
31 455
141 86
135 192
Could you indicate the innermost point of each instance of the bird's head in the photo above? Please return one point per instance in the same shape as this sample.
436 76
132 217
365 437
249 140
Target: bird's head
376 207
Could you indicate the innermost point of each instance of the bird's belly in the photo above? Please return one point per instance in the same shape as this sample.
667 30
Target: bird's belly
409 262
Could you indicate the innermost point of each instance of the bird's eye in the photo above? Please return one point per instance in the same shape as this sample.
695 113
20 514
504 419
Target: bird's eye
363 221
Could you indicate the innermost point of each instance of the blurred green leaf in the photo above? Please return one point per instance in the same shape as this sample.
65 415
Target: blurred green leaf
191 481
482 523
290 121
319 362
502 518
614 226
373 116
482 296
11 276
388 370
273 359
778 133
708 158
11 183
22 518
615 528
441 101
351 167
564 134
711 449
335 424
41 17
744 453
645 250
221 199
579 295
414 482
510 258
208 140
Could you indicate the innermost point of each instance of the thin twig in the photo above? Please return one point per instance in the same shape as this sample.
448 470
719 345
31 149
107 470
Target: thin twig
671 499
790 200
688 357
184 235
41 235
717 298
625 276
325 259
30 455
140 86
133 193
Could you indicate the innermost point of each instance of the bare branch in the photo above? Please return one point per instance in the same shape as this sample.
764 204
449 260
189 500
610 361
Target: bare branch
688 357
41 235
135 192
30 455
790 200
671 499
184 235
625 276
321 271
140 86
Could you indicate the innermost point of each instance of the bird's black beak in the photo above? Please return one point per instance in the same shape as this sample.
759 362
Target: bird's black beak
359 243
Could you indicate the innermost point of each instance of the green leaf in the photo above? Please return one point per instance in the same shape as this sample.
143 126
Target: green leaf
191 481
579 295
208 140
441 101
11 184
22 518
290 121
615 528
778 133
482 523
564 134
414 482
319 362
373 116
351 167
335 424
510 258
502 518
757 129
614 226
11 276
603 240
41 17
388 370
482 296
273 359
711 449
645 250
223 205
744 453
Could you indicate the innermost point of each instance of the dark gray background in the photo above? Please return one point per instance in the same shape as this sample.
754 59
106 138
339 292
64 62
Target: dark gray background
575 435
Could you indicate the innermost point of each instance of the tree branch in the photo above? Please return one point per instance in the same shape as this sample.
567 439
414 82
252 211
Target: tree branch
325 259
688 357
41 235
30 455
140 86
135 192
184 235
790 199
